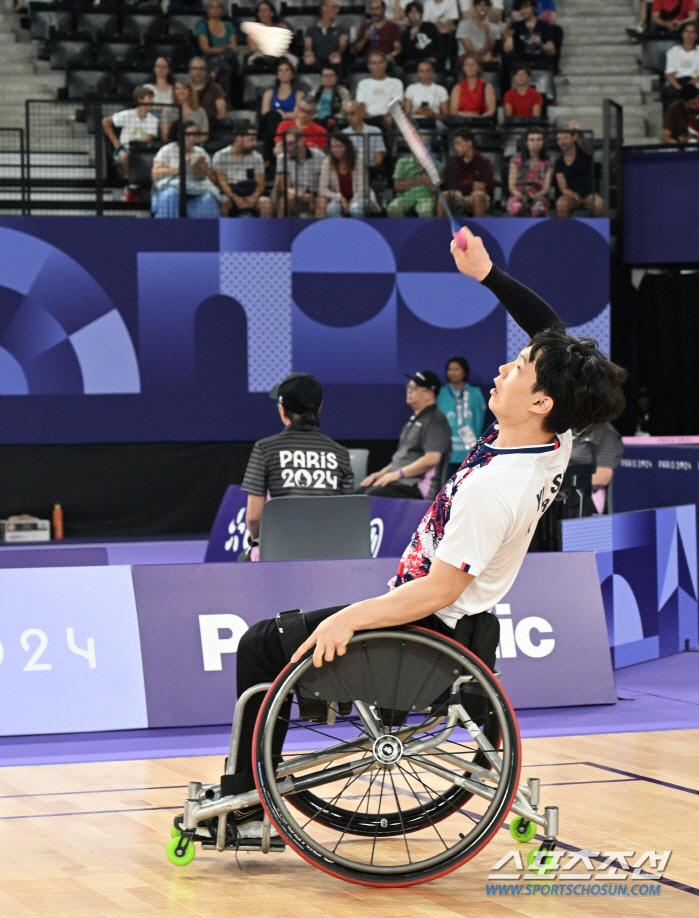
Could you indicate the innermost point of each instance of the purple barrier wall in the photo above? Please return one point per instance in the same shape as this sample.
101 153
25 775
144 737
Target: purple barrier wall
554 649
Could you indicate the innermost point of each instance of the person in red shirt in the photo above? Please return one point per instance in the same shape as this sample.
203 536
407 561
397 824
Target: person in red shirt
668 16
522 101
469 178
472 97
303 120
378 34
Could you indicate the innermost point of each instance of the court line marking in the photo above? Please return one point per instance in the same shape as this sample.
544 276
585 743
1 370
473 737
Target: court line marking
111 790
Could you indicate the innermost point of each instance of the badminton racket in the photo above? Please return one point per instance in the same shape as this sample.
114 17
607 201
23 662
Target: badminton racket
424 157
271 40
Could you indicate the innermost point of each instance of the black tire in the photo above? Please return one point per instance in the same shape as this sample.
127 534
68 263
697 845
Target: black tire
396 671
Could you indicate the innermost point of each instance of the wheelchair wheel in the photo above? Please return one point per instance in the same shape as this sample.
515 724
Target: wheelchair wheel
396 793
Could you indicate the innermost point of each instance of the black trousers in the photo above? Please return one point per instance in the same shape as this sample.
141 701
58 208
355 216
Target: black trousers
261 657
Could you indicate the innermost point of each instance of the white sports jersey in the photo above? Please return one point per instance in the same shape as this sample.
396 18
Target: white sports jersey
483 519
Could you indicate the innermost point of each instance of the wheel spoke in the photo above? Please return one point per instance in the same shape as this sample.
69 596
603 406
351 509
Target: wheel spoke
400 816
419 802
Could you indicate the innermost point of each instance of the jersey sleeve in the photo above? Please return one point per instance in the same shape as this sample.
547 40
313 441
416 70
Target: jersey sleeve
255 479
530 311
480 519
119 118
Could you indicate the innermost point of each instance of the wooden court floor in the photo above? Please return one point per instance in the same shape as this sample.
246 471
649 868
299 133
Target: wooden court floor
88 840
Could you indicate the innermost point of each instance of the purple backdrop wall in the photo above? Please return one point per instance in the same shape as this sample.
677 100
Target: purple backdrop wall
133 330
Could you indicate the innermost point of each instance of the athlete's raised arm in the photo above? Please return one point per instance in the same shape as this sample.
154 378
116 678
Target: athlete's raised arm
527 308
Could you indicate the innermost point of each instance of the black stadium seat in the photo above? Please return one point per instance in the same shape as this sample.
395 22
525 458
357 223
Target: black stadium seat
120 54
184 24
254 86
45 21
128 80
178 52
89 84
142 27
70 52
99 26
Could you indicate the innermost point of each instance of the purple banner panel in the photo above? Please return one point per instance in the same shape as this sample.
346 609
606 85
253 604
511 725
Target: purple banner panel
393 523
51 556
554 648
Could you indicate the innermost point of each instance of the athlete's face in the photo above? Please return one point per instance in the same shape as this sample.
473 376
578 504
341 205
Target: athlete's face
512 400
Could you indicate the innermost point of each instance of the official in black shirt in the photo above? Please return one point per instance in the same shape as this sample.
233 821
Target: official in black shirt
300 461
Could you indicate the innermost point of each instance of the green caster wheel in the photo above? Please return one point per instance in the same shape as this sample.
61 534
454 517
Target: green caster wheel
545 865
180 860
522 830
175 831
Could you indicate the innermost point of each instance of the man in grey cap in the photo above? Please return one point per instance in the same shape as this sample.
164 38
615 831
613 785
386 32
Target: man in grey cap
415 469
300 461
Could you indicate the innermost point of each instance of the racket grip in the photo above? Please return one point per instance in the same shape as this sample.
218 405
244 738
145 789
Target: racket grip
461 240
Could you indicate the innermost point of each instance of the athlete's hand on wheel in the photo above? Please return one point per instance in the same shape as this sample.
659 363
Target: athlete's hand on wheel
330 637
474 261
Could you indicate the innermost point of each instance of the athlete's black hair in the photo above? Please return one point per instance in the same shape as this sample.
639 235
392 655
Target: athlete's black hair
585 386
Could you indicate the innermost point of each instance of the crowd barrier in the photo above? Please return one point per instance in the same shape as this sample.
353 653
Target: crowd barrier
116 648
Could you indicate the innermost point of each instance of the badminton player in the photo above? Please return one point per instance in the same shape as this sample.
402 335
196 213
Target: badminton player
470 545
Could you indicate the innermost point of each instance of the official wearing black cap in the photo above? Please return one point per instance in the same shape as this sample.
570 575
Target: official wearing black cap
415 469
300 461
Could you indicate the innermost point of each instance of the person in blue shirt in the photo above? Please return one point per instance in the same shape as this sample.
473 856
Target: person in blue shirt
464 408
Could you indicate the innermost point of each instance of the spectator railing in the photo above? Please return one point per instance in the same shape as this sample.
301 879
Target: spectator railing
13 179
64 162
612 171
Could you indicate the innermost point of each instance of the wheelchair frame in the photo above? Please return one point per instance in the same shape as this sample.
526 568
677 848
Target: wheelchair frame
204 802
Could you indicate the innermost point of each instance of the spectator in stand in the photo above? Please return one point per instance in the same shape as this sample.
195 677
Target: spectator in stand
203 197
367 138
138 125
378 90
681 124
378 34
415 469
284 97
443 13
240 173
161 83
469 179
341 187
495 13
415 193
668 16
523 101
256 61
477 35
426 99
298 176
575 177
420 40
326 41
304 113
545 10
531 174
186 96
530 37
219 45
472 97
330 96
682 64
464 408
210 93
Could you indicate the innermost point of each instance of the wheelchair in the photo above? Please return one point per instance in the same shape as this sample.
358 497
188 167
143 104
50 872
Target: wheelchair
391 766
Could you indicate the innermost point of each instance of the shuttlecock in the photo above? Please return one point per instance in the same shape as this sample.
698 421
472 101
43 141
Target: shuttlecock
271 40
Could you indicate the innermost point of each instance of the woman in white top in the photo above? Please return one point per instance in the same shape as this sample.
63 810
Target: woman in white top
341 186
682 62
161 83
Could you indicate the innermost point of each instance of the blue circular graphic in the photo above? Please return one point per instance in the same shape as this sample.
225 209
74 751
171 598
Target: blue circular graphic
345 263
552 249
430 285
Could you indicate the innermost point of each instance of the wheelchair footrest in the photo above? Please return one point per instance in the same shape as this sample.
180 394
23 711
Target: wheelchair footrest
249 844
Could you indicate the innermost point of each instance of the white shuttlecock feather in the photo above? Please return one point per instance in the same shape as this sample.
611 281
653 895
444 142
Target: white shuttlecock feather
271 40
